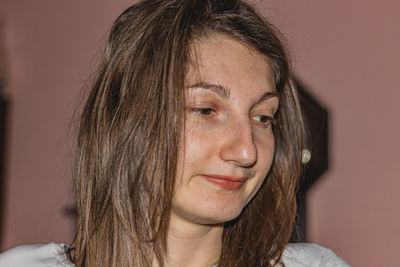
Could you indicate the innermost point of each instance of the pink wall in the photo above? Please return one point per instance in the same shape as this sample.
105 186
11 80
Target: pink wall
347 52
50 46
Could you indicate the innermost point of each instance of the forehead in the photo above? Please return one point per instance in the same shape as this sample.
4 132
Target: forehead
222 60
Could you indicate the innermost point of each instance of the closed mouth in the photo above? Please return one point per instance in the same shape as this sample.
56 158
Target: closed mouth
226 182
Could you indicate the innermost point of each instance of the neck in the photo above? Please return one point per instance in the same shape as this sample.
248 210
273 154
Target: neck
195 245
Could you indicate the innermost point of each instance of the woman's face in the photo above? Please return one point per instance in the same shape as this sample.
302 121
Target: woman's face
228 142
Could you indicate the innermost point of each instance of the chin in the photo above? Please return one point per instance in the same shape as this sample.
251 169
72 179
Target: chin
209 211
218 218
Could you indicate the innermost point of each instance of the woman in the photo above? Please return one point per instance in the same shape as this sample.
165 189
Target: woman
189 148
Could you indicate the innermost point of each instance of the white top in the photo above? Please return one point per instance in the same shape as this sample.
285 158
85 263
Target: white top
52 255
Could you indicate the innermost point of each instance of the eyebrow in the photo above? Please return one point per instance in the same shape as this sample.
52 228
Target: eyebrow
266 96
216 88
225 93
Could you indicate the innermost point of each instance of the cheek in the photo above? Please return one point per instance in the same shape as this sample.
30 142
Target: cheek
198 147
266 152
199 143
193 143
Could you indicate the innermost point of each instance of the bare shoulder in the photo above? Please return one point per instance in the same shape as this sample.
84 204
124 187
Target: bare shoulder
52 254
311 255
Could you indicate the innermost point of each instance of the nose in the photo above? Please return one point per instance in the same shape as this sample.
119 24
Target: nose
238 145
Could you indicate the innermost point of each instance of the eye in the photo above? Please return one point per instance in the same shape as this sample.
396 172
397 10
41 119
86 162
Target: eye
264 120
203 112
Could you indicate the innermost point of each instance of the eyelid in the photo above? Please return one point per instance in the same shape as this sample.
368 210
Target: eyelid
204 112
271 121
269 106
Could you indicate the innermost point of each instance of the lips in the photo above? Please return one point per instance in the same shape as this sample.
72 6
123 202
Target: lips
226 182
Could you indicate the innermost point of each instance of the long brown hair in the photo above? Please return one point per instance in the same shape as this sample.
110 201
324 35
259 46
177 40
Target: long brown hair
129 137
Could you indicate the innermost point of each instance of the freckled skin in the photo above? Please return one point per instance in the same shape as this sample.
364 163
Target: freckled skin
229 140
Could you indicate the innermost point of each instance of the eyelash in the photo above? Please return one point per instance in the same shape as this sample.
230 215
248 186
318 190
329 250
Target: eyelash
201 111
271 121
207 112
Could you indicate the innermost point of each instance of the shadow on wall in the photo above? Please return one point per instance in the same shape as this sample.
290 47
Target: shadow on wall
317 121
3 123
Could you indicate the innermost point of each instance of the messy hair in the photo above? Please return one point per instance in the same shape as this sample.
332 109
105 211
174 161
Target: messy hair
129 137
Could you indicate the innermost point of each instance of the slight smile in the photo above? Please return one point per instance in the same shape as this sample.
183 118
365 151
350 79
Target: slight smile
226 182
